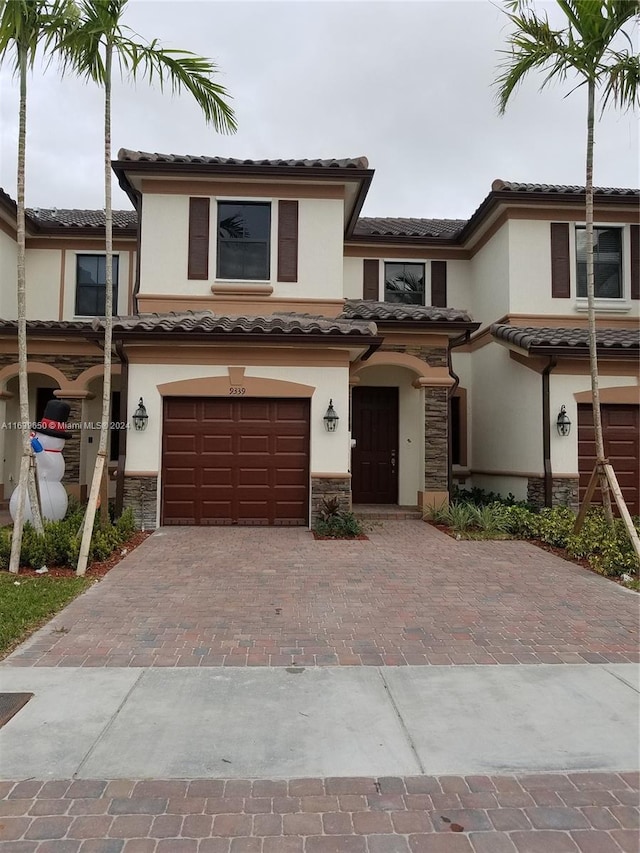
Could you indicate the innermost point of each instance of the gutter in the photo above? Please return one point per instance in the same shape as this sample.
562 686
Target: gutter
546 432
122 448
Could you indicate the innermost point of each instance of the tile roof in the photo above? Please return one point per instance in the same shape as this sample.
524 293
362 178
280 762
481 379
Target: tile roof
378 226
124 154
206 322
575 339
362 309
70 218
513 186
48 325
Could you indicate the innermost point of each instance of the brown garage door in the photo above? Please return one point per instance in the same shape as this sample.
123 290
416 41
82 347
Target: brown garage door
621 428
235 461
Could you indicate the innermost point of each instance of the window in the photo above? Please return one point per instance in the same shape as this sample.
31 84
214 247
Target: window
404 283
607 262
90 285
244 231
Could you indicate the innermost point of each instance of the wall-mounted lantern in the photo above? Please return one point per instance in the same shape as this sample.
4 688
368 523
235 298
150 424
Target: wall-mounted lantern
140 417
331 418
563 423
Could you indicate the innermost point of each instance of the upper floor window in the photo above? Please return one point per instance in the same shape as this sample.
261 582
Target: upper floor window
90 285
607 262
244 234
404 283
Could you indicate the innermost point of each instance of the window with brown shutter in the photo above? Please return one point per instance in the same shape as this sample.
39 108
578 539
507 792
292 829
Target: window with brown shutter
198 266
635 261
560 268
371 280
439 284
287 240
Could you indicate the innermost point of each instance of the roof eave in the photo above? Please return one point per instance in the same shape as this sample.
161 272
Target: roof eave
604 352
344 340
402 239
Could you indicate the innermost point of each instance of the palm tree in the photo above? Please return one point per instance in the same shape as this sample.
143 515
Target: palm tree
90 50
587 49
25 25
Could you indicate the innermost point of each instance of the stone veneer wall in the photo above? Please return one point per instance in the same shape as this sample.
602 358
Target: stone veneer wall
141 495
330 487
433 356
436 447
564 492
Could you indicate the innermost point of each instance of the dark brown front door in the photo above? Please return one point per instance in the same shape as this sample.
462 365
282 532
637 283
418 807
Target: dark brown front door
621 430
235 461
374 459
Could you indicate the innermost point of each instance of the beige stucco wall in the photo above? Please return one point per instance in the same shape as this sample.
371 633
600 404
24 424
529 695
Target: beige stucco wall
43 284
564 450
164 248
410 428
352 272
530 270
8 276
490 278
507 419
330 452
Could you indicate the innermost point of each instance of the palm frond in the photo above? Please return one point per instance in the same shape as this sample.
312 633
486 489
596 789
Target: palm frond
622 82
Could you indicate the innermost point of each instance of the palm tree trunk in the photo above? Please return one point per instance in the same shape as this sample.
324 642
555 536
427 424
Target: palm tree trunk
83 557
593 351
26 482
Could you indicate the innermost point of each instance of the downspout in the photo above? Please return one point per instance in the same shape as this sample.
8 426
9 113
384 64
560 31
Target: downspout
122 449
462 339
546 432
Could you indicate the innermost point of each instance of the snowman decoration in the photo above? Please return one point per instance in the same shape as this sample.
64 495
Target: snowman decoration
47 441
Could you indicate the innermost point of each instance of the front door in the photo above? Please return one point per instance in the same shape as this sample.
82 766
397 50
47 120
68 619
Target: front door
374 459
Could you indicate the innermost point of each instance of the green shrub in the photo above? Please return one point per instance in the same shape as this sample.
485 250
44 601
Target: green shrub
60 545
489 518
336 523
480 497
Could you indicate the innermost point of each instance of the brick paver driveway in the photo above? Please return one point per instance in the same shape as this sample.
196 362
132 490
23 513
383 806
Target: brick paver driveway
277 597
409 595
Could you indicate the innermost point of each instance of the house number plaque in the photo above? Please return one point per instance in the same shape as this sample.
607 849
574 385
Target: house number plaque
237 390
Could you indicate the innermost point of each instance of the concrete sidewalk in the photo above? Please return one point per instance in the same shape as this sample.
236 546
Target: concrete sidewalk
320 722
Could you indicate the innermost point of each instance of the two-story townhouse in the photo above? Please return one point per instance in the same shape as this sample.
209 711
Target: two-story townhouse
254 302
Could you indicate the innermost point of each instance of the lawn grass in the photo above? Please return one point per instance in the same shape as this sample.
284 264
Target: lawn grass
27 602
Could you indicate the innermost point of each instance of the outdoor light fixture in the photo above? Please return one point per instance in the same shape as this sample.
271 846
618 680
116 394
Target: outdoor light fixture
140 417
563 423
331 418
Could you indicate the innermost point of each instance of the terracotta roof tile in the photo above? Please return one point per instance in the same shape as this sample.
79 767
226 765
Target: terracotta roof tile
71 218
565 338
513 186
125 154
208 322
378 226
362 309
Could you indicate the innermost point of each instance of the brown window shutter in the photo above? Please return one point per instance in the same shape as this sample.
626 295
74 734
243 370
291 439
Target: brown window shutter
287 241
635 261
371 280
560 271
198 266
439 284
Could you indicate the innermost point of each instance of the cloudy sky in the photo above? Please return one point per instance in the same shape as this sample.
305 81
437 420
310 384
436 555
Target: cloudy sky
408 84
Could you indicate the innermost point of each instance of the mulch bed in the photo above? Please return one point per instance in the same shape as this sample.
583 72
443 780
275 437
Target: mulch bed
339 538
95 570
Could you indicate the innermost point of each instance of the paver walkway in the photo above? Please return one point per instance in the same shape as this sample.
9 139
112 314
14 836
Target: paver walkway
575 813
277 597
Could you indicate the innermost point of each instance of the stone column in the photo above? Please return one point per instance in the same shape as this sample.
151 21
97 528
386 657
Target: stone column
436 446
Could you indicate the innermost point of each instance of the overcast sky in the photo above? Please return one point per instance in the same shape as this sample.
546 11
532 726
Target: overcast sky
408 84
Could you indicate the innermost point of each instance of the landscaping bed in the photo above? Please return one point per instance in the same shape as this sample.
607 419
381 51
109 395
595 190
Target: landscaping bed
604 549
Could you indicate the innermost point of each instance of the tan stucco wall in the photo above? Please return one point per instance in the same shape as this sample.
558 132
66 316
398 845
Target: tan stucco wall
490 278
329 452
507 417
530 270
165 232
8 276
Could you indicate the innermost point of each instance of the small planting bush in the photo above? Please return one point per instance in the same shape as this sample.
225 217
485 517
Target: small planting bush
60 544
607 549
336 523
